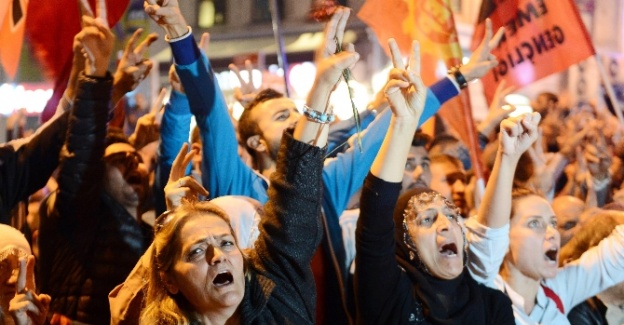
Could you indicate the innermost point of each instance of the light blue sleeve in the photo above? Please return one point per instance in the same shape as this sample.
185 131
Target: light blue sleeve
223 172
344 175
174 131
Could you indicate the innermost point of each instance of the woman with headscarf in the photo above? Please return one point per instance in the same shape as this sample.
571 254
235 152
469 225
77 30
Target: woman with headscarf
411 270
19 302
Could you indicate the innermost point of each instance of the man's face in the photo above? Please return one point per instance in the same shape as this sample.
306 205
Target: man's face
543 105
273 117
568 210
126 178
450 182
417 172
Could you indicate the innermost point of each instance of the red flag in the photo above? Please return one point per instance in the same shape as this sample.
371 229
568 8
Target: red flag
12 34
431 23
542 37
50 28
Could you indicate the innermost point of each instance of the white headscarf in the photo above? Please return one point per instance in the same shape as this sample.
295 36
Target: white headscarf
12 242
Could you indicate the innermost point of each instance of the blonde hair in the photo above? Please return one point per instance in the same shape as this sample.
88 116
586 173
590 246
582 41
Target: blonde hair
162 307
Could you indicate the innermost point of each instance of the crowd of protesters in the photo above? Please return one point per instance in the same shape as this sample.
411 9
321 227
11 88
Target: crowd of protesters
288 216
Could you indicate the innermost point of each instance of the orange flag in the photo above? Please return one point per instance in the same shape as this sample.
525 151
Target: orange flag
4 6
12 34
542 37
431 23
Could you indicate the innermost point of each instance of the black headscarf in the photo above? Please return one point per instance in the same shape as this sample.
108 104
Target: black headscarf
455 301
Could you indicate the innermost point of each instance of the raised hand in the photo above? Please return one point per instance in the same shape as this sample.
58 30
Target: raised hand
481 60
174 80
204 43
329 70
97 41
518 134
180 186
27 307
146 131
334 32
133 68
405 90
247 91
498 110
166 13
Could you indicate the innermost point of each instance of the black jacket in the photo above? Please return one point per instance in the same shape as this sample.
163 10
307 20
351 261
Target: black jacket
26 164
590 312
88 242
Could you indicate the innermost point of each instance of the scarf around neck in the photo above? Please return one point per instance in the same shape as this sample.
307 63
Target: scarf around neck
456 301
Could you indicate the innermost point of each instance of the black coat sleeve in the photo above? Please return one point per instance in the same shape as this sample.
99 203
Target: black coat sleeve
27 164
82 168
290 229
379 292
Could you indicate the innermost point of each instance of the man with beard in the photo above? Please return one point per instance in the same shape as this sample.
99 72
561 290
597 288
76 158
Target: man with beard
417 171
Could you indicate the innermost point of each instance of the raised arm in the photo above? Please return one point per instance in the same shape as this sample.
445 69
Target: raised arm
516 136
344 175
376 264
26 164
223 173
406 94
488 233
81 165
291 230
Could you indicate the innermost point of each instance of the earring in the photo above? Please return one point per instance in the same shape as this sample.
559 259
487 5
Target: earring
411 255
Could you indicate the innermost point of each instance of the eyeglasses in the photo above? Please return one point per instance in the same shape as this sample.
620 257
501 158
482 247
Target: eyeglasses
128 159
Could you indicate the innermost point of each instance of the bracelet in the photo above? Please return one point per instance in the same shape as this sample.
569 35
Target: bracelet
459 77
318 117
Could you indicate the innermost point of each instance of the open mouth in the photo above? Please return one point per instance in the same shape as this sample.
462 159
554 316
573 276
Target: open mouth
551 255
222 279
449 249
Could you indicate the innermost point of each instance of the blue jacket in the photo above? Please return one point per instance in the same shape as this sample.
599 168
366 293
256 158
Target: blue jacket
224 173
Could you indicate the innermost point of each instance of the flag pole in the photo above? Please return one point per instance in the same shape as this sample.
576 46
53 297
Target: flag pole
609 88
282 61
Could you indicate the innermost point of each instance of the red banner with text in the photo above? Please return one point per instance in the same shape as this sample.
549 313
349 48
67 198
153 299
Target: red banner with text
542 37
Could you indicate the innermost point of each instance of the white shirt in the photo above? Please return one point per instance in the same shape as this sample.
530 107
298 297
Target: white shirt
597 269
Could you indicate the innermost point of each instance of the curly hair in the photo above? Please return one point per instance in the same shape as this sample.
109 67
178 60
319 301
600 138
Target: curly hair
162 307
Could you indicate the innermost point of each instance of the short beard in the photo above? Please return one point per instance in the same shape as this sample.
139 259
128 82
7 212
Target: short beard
273 148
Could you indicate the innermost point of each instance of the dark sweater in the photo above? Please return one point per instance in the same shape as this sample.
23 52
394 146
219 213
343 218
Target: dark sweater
281 289
385 293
